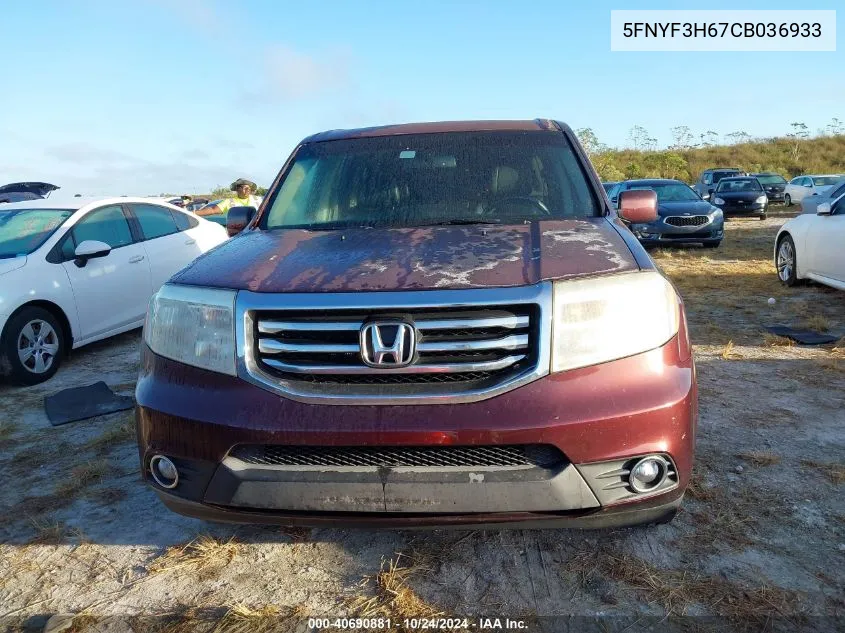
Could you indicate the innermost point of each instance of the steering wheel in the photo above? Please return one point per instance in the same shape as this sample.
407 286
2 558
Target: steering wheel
537 204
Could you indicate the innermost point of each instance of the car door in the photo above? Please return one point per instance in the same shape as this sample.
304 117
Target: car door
168 249
826 242
805 189
111 292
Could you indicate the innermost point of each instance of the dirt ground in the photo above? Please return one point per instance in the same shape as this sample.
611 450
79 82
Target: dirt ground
759 543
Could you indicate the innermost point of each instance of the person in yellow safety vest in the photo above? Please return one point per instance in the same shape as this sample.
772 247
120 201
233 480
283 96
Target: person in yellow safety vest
244 197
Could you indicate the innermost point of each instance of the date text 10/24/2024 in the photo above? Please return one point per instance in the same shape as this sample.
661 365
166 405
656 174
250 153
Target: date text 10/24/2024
421 624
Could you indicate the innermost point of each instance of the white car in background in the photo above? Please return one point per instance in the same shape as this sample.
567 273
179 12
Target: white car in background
75 272
810 246
802 186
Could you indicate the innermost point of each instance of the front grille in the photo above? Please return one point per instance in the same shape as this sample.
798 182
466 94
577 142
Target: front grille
537 455
690 220
451 345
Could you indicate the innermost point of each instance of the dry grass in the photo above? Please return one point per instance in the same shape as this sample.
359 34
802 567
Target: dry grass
113 436
241 618
82 477
108 496
834 472
7 429
748 608
728 351
760 458
51 533
205 556
818 323
773 340
81 623
393 597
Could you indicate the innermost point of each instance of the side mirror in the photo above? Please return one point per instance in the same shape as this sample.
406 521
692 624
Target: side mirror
705 196
89 249
238 218
810 186
638 206
824 209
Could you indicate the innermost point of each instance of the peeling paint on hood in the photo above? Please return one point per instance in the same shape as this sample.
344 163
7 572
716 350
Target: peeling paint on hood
393 259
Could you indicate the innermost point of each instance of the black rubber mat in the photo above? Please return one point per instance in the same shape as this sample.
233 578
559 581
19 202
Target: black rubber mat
80 403
805 337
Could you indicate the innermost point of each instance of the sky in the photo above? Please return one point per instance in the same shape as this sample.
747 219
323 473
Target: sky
142 97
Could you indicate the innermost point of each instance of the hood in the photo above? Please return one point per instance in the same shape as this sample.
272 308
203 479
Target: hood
9 264
38 188
422 258
745 196
823 191
692 207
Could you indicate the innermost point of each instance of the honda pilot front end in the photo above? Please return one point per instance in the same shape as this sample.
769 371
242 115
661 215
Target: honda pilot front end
423 325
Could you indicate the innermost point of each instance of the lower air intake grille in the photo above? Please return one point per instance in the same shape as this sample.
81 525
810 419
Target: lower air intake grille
539 455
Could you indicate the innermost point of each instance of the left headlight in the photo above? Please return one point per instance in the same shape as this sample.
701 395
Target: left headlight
761 199
192 325
606 318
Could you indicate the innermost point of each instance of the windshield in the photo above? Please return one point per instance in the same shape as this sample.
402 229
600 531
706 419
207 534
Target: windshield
739 184
718 175
823 181
427 179
24 230
771 180
608 186
670 192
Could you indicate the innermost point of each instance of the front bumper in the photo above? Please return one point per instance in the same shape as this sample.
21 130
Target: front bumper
645 404
775 196
744 209
662 232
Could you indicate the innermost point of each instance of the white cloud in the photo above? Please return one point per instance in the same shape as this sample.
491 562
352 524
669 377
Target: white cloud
292 75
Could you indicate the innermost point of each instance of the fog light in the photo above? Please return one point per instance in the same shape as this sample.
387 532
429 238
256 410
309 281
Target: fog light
648 473
164 471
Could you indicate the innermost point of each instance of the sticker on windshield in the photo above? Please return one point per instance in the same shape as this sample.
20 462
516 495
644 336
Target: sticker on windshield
408 153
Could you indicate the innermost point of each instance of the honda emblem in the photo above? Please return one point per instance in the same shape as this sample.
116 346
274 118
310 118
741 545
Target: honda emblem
387 344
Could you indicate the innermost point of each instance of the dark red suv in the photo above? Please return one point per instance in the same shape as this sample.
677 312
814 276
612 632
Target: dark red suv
430 324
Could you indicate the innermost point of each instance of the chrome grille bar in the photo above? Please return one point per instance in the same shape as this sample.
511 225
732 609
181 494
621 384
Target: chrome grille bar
442 368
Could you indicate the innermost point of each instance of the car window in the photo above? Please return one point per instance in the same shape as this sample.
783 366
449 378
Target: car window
838 191
184 221
107 224
614 191
155 221
708 178
424 179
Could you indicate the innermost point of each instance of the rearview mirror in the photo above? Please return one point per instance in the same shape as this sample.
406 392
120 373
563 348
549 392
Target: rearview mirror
90 249
824 209
638 205
238 218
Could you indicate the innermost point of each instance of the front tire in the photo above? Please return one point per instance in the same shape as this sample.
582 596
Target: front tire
763 215
711 244
786 261
32 346
787 200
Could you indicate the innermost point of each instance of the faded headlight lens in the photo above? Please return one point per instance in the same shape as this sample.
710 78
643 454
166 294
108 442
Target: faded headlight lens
606 318
195 326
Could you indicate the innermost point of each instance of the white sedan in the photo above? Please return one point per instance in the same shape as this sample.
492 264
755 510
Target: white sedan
809 246
801 187
76 272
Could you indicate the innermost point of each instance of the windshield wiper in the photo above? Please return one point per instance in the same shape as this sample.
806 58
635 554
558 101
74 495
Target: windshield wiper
459 222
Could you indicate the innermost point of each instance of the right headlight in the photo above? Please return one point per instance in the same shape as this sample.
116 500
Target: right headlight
718 201
605 318
193 325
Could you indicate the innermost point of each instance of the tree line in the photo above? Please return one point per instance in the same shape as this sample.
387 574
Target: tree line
795 153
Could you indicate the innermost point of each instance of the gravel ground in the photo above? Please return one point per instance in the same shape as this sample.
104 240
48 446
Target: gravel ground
759 544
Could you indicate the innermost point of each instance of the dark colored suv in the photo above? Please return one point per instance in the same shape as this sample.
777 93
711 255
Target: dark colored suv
423 325
710 178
